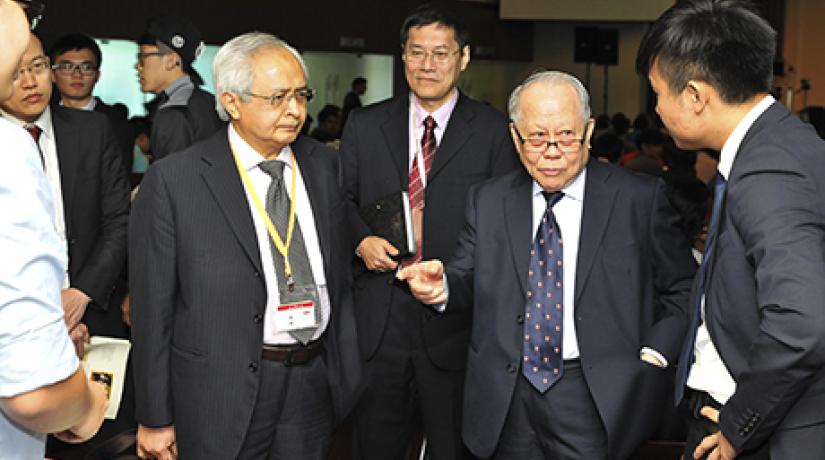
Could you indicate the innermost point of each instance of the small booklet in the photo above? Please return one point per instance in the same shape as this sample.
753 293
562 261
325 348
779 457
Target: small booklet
390 217
105 361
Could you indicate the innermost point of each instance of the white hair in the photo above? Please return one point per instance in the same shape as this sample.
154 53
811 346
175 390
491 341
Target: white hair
232 67
550 76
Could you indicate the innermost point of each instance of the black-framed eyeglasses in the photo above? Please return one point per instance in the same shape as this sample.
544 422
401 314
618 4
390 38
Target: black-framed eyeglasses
418 55
68 67
536 145
142 55
301 95
34 11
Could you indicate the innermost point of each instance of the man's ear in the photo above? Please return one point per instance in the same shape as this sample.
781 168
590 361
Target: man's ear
465 57
230 104
697 94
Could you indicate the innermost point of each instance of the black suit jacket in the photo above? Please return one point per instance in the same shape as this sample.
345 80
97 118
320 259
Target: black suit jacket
633 277
765 300
123 131
96 210
198 295
375 151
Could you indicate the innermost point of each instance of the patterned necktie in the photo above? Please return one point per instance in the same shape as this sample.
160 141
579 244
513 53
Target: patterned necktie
686 356
35 132
543 312
277 206
416 186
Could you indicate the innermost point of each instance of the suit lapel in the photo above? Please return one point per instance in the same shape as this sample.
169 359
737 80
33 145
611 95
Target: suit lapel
518 212
599 196
396 134
221 177
67 145
312 175
456 134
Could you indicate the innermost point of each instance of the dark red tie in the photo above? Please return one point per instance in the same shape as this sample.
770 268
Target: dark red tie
35 131
416 188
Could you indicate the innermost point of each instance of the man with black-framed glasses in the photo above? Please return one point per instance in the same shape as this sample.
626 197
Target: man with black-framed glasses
185 113
578 278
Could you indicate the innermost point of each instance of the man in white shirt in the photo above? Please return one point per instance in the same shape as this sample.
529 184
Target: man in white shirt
751 368
42 387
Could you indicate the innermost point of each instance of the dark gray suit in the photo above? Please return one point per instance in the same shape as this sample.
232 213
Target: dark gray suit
633 276
198 295
765 295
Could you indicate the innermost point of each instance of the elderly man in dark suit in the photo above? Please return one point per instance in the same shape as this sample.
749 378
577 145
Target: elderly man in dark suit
244 339
578 277
753 364
434 142
81 160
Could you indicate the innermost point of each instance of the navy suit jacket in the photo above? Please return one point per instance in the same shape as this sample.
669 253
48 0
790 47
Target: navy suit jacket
198 294
765 296
375 152
633 277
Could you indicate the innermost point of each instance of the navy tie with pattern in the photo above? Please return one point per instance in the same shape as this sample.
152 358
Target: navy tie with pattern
543 313
686 355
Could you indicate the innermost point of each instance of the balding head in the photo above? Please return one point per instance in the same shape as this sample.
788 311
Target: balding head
14 34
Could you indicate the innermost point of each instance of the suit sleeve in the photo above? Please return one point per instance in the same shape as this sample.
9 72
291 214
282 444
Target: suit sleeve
105 263
461 269
350 157
152 275
776 209
171 132
673 271
505 158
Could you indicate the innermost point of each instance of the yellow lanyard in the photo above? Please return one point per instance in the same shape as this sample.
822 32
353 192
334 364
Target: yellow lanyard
283 248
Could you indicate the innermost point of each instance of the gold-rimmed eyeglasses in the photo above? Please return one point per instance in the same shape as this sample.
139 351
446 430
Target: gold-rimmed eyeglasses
279 98
36 67
538 144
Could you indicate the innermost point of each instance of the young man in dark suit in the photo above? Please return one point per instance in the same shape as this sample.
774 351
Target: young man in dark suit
434 142
753 365
91 206
577 276
223 367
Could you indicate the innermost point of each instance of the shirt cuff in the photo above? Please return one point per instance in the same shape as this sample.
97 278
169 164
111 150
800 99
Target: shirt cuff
655 354
443 306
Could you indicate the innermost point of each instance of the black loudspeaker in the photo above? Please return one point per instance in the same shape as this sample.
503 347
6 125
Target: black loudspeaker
607 47
585 44
598 46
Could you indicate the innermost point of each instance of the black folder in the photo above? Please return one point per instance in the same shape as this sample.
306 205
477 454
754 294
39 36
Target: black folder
390 218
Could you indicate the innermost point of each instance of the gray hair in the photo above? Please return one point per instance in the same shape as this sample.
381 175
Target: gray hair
232 67
554 77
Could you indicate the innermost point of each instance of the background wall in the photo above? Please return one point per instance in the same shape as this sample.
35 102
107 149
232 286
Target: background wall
803 51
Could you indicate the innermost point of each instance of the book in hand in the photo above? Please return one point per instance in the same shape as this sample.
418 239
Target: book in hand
104 361
390 218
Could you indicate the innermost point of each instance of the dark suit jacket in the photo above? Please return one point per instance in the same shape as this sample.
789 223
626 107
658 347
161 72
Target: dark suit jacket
633 277
96 210
124 133
765 300
375 151
198 295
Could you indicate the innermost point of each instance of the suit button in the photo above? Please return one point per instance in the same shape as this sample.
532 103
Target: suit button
72 241
257 274
511 368
253 367
258 318
520 319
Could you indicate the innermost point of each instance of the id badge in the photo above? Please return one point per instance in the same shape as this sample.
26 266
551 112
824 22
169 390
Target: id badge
296 309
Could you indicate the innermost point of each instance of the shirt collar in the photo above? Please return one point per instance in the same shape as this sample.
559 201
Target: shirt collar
574 190
44 121
441 115
249 157
179 83
88 107
731 147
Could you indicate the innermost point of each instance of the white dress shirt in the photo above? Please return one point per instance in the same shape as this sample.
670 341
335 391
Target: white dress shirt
35 349
250 159
709 373
48 146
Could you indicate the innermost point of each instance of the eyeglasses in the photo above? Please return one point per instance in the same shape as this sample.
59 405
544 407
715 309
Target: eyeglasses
418 55
537 145
142 55
36 67
34 10
86 68
301 95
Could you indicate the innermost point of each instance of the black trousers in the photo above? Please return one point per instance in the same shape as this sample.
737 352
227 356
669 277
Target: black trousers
561 424
293 416
407 394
